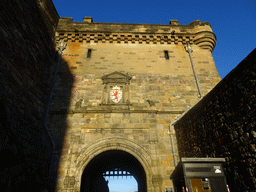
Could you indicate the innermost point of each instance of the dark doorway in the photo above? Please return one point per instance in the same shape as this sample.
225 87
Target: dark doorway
110 161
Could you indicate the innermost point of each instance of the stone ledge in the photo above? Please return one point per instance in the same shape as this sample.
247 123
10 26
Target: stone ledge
96 37
116 111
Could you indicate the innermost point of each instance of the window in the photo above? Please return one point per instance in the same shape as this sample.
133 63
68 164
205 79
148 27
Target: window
89 53
166 54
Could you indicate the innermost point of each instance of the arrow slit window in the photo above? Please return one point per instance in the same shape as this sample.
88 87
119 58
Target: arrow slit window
166 54
89 53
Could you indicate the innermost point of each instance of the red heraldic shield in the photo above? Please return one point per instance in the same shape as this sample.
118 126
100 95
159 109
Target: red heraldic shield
116 94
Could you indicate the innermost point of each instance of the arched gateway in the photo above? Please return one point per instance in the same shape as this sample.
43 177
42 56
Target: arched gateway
109 154
92 178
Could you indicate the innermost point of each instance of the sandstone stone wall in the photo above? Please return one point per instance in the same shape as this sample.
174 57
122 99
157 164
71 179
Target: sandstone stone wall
223 123
156 90
27 56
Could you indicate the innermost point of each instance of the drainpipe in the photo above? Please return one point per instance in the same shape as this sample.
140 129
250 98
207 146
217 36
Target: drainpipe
189 50
61 47
175 155
173 147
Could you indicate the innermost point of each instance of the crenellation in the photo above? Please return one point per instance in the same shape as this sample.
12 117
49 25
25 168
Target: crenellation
137 36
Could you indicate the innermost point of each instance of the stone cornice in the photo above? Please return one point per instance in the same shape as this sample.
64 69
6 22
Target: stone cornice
122 33
116 111
86 37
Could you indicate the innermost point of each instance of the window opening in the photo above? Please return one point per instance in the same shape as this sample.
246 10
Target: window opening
89 53
166 54
119 179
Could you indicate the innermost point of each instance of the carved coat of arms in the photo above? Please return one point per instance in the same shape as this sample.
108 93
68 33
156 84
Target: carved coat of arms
116 94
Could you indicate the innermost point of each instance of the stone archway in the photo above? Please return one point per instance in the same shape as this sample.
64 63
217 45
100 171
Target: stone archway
96 153
92 179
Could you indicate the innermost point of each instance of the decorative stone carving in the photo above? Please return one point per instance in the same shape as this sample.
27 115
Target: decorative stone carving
69 182
116 89
156 179
78 104
151 103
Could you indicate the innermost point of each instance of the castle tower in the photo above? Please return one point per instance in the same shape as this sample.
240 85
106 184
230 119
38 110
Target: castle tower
130 82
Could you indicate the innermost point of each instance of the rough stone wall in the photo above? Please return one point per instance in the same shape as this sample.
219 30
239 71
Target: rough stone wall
173 90
27 56
141 129
223 124
159 90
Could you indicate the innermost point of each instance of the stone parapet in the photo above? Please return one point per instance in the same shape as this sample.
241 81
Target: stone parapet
205 40
196 32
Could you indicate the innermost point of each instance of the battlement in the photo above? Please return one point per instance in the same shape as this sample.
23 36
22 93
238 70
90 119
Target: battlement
195 33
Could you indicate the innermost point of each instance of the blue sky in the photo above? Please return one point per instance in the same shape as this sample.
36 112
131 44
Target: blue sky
232 21
128 184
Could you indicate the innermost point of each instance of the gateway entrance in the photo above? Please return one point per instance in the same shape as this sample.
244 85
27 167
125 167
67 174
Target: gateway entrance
113 163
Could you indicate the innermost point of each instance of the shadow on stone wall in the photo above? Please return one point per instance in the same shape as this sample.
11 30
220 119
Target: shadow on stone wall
28 62
58 114
223 124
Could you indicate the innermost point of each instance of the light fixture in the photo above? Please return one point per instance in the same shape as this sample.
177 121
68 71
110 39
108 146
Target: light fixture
62 45
188 47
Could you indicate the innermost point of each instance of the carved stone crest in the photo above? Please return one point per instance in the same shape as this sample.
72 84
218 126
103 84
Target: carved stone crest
116 89
115 93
